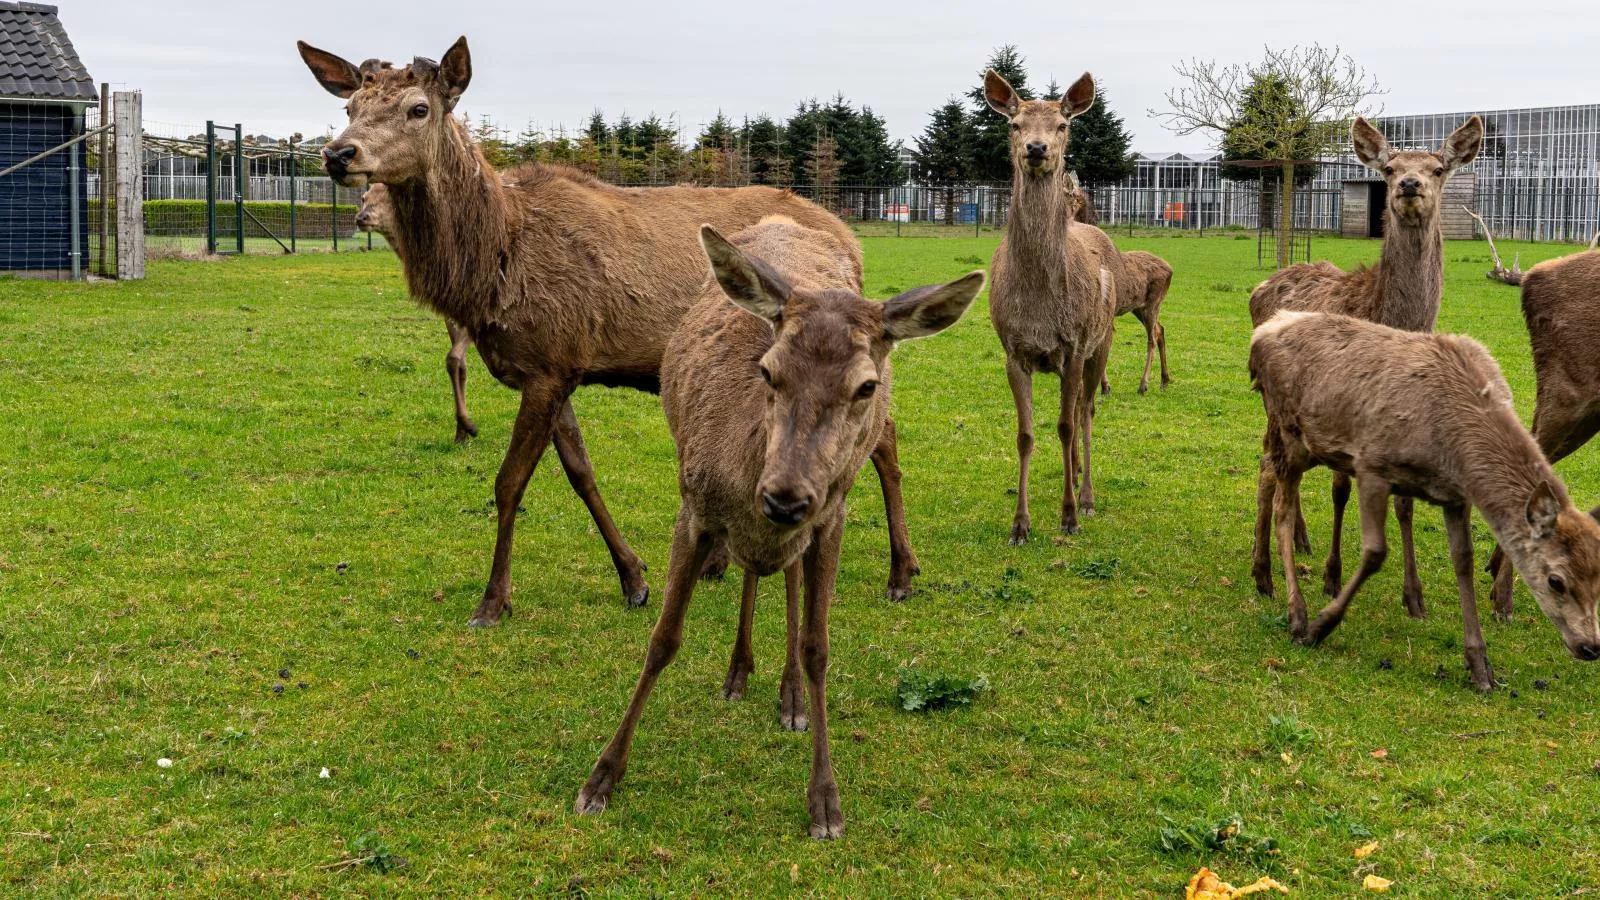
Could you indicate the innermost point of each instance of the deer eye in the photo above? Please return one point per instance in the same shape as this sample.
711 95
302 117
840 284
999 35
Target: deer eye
1557 585
866 390
1439 172
420 111
1015 127
766 375
1388 170
1062 127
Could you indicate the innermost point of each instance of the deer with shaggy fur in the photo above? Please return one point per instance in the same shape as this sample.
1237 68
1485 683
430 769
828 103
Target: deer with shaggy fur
560 280
1053 293
374 216
1561 305
775 402
1142 284
1430 417
1402 291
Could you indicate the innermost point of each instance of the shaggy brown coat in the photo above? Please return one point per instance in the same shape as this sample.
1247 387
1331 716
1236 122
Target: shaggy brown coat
775 405
1430 417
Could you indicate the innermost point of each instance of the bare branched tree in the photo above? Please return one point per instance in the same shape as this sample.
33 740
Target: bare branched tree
1316 92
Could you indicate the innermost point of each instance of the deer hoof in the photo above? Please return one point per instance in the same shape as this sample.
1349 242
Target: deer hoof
1071 528
792 705
1019 534
898 594
639 597
1144 387
827 822
490 614
733 687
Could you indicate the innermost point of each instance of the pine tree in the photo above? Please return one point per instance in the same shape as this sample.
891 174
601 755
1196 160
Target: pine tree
764 143
1099 148
991 148
944 152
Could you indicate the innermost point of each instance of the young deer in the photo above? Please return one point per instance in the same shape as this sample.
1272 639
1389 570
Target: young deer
1052 298
375 215
1402 291
561 280
1561 305
1426 416
1142 284
774 406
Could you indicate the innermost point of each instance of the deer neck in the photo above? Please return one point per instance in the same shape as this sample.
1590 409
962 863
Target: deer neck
1410 279
1502 467
1036 237
452 232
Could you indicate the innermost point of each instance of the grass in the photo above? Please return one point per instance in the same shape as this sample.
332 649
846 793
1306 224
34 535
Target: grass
241 467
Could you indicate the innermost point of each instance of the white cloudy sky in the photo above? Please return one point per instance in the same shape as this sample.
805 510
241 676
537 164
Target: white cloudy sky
554 62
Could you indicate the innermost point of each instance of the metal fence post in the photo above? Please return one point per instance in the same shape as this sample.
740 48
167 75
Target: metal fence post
211 187
334 224
239 177
74 217
130 194
294 163
105 176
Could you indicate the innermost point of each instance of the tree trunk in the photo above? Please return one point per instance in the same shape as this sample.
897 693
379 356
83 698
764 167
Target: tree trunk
950 206
1286 217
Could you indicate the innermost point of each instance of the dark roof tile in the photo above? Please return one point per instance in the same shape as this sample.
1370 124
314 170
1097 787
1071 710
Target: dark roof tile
36 56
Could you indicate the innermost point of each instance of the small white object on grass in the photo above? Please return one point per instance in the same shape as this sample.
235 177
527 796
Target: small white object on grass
164 763
325 773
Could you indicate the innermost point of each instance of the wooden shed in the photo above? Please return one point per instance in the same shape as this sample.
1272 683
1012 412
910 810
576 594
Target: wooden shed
44 93
1364 201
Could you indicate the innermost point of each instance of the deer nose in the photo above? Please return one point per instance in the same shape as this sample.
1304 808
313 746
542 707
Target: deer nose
1036 149
1587 652
784 508
340 155
1410 185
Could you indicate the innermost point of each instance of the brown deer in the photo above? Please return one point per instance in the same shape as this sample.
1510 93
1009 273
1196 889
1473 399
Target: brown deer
775 405
1402 291
1142 284
561 280
375 215
1561 305
1051 300
1428 416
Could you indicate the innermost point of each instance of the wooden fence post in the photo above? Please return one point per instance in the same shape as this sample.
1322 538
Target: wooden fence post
129 111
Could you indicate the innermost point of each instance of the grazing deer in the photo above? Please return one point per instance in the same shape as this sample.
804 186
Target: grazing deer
374 216
1052 297
561 280
1561 304
1402 291
1142 284
774 406
1428 416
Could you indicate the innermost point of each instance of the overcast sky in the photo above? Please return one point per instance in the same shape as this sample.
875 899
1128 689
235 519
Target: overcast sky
555 62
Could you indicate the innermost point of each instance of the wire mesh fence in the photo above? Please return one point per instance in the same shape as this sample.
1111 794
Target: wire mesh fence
47 212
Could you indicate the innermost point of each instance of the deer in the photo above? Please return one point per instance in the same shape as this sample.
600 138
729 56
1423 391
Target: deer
1051 299
776 400
1561 305
1403 290
375 215
1428 416
559 279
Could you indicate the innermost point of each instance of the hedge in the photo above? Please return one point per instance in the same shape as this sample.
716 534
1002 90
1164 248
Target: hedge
187 218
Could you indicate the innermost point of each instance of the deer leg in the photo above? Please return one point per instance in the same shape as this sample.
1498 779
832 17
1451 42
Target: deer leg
1022 394
821 564
744 656
902 559
1150 329
1161 347
1286 507
1411 594
689 550
1067 428
1093 374
1261 550
1457 525
1504 580
792 689
455 364
541 403
1374 503
1333 569
716 563
1302 537
580 474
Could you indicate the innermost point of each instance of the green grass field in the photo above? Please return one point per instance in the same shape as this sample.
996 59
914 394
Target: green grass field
240 467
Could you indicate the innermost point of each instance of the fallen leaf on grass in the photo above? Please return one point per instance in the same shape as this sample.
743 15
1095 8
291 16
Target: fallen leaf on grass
1366 850
1379 753
1376 884
1206 885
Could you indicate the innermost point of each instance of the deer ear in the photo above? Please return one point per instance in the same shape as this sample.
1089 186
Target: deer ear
1371 147
1463 144
1543 509
1002 99
455 70
334 73
748 282
1078 98
930 310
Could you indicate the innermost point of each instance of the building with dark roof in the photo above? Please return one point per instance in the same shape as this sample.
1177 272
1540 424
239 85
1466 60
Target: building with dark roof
44 94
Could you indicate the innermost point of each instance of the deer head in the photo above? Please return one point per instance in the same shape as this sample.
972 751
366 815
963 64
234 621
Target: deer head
1040 129
1416 177
374 212
399 118
828 358
1562 568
